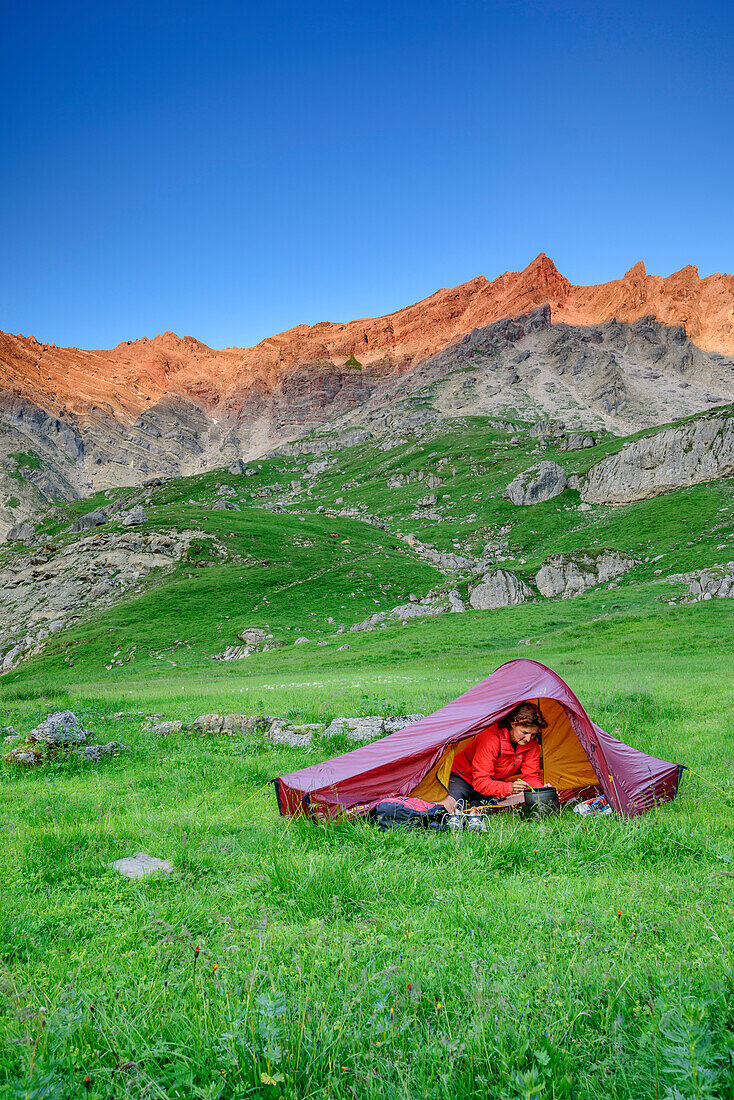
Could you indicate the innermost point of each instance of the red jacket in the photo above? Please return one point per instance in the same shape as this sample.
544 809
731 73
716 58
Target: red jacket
491 759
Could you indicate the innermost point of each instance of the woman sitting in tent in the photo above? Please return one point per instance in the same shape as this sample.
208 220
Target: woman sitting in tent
483 771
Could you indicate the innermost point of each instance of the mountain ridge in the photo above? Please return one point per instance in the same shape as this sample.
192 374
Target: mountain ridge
136 373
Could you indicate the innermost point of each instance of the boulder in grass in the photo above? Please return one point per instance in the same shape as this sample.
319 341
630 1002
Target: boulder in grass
141 864
399 722
27 756
206 723
253 635
60 728
243 723
292 734
134 517
715 582
673 458
91 519
96 752
456 603
570 574
233 653
407 611
499 588
541 482
368 728
576 441
165 729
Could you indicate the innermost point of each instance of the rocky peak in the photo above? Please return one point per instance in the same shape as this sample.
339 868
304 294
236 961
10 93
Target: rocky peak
636 273
542 277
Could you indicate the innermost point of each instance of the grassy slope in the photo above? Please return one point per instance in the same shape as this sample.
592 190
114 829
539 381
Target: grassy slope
578 958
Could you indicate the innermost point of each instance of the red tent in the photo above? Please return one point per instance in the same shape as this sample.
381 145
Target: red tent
577 754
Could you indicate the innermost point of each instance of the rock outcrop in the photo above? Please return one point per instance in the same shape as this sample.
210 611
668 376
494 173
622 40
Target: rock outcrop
714 583
670 459
499 588
90 519
280 731
541 482
51 586
59 733
570 574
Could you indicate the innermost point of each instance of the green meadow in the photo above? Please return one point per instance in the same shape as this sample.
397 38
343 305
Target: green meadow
570 958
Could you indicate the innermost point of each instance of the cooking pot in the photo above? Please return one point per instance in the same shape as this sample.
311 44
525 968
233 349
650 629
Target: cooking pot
540 801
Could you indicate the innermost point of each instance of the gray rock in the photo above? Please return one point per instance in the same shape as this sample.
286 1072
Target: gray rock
499 588
134 517
570 574
400 721
25 755
407 611
164 729
295 736
21 532
716 582
207 723
96 752
455 601
253 635
12 657
369 624
60 728
340 647
91 519
233 653
540 482
140 865
320 465
357 729
576 441
301 640
673 458
243 723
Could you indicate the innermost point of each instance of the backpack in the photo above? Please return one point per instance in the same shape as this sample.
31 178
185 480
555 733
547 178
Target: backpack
396 812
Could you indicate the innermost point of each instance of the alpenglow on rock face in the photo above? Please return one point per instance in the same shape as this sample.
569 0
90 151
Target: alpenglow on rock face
671 459
570 574
499 588
541 482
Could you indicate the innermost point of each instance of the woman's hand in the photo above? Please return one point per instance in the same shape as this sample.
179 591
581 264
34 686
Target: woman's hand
450 803
518 786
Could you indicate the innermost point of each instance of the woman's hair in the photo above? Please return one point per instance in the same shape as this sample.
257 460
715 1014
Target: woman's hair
530 714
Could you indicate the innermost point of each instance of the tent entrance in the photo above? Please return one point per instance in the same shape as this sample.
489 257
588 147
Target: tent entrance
565 763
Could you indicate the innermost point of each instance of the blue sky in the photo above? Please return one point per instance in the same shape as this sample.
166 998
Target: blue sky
228 170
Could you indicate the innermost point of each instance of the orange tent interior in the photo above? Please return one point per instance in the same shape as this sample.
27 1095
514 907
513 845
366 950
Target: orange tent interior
565 763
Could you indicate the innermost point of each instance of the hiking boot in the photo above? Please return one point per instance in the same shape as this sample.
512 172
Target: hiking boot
455 821
476 823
